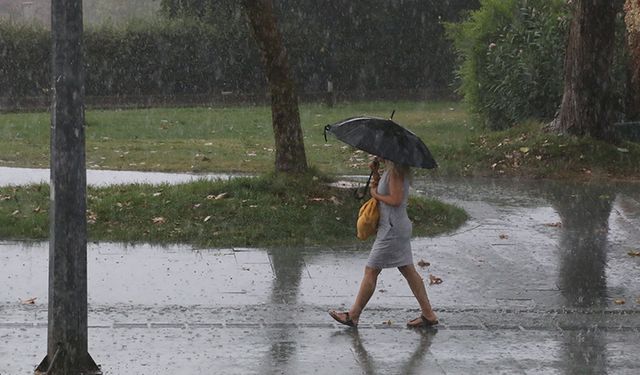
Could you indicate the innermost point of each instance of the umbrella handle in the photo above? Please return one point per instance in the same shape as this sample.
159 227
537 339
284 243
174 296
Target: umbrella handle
366 189
326 128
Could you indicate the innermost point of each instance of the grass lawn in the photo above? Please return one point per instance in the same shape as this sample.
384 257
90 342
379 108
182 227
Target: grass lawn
270 210
274 210
238 139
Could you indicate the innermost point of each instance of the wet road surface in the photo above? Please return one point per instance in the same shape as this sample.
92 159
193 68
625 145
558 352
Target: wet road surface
539 281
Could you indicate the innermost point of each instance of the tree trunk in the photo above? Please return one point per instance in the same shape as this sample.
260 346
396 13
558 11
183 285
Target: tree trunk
587 103
289 143
632 18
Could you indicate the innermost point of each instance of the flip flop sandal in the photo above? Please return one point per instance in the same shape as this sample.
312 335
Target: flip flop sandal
347 321
424 323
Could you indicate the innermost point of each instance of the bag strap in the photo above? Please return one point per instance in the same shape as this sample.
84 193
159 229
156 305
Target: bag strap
356 193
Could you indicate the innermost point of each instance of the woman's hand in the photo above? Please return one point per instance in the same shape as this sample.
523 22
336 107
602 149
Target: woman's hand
374 165
373 190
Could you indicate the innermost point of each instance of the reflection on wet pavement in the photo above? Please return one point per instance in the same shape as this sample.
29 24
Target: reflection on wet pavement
533 283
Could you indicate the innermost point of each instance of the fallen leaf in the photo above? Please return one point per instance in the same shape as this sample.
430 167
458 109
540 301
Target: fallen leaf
524 150
29 301
555 225
434 280
220 196
159 220
207 218
211 197
382 290
423 263
634 253
92 217
619 301
388 322
15 213
504 237
246 268
157 194
37 209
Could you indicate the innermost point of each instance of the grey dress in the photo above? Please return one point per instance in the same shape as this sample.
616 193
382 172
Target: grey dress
392 247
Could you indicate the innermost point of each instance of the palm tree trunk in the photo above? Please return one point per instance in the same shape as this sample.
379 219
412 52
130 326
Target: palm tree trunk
587 103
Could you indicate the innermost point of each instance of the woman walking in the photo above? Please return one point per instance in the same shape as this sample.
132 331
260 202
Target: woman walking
392 246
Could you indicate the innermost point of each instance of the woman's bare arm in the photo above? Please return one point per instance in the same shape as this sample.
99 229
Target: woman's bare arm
396 191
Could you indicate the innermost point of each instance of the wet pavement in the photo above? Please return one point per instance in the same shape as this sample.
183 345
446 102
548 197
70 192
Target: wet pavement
540 280
24 176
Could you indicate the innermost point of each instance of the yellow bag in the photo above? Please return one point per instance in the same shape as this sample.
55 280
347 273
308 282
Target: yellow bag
368 218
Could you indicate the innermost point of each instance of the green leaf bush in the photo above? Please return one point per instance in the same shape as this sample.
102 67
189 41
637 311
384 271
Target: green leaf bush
512 54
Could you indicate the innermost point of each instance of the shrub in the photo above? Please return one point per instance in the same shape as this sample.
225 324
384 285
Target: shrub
382 45
175 57
513 57
25 54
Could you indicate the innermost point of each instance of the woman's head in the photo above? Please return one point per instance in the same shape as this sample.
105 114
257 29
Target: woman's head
400 169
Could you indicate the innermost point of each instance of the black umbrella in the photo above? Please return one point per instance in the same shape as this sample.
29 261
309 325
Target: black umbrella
384 138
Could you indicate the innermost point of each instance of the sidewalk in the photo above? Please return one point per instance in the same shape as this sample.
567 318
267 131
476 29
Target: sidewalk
522 294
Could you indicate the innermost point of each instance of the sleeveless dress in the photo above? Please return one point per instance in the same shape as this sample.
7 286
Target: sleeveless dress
392 247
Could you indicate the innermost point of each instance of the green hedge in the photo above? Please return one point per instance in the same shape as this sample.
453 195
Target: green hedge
390 46
25 53
172 58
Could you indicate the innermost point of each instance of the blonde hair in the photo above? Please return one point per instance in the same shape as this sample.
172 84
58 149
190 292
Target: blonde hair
400 170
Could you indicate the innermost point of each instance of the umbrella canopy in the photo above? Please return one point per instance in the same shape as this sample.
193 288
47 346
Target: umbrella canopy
384 138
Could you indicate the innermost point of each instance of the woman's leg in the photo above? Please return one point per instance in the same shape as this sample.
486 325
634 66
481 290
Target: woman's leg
419 291
367 287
